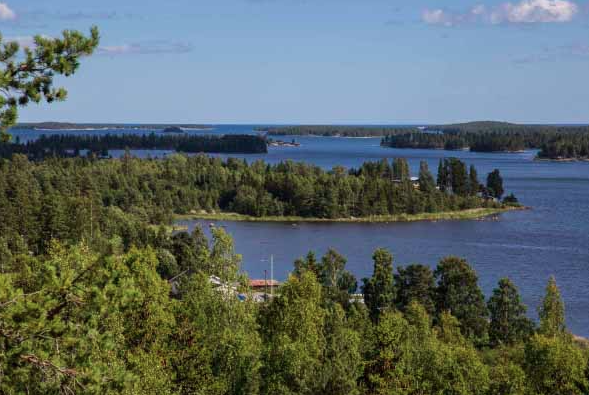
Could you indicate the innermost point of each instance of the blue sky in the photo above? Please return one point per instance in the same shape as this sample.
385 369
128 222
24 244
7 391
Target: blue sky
318 61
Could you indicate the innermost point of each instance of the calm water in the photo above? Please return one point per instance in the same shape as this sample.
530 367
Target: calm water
527 246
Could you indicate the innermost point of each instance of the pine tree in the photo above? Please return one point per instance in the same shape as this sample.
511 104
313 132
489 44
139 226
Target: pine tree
309 263
28 75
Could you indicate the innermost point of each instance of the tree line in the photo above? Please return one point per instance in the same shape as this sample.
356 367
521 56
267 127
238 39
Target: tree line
553 141
147 320
566 147
335 130
80 197
70 145
94 126
475 142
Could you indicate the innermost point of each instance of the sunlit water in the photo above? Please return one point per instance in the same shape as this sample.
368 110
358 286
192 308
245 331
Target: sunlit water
527 246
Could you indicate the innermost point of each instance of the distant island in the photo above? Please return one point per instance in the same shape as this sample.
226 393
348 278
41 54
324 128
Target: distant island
335 130
173 129
97 126
71 145
553 141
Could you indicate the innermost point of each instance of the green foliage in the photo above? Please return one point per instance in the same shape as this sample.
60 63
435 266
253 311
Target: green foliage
309 263
124 306
427 184
334 130
409 359
473 181
495 184
343 365
554 142
73 321
552 322
459 294
83 324
292 329
84 199
27 76
379 291
216 348
415 283
554 365
70 145
509 324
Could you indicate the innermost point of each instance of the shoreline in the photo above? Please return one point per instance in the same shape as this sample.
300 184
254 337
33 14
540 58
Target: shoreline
470 214
562 160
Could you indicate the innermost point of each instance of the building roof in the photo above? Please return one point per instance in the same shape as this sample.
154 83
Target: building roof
262 283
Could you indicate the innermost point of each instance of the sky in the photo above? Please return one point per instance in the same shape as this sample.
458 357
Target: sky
317 61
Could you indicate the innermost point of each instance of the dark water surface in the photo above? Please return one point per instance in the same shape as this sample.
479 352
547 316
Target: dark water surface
527 246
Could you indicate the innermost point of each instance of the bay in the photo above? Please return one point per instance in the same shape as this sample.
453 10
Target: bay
527 246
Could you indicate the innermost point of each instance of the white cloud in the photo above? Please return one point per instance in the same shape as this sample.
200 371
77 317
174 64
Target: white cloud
437 17
6 12
525 11
536 11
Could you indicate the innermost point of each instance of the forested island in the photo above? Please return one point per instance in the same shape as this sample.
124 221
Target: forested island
334 130
554 142
71 145
567 147
97 126
565 142
181 185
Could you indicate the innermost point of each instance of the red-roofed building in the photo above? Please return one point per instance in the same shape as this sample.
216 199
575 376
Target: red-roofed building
261 285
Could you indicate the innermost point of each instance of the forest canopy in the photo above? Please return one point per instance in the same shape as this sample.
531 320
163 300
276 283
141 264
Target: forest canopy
78 196
71 145
553 142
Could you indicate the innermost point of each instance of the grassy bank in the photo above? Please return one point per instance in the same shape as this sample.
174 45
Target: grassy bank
477 213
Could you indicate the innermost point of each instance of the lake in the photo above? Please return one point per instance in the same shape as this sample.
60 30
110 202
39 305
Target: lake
527 246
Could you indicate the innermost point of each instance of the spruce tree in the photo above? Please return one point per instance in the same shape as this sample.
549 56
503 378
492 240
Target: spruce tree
459 177
509 323
443 175
473 183
415 283
427 183
379 292
552 321
495 184
459 294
